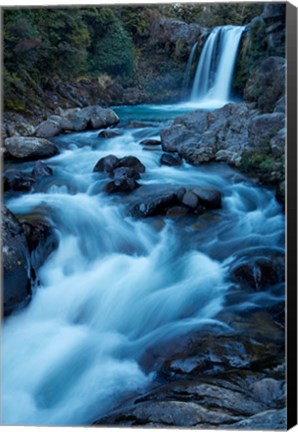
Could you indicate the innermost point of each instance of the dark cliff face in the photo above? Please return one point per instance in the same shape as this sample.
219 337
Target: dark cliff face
263 38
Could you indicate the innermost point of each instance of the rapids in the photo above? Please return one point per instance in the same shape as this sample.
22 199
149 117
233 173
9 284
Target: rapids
117 286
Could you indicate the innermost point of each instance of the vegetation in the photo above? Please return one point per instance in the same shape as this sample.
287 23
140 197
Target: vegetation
46 46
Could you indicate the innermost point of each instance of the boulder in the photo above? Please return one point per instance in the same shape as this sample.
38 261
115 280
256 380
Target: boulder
266 85
40 170
121 185
26 148
190 199
210 198
108 134
263 127
41 238
15 180
48 129
270 419
259 272
16 124
132 162
170 160
278 143
155 204
16 264
106 164
124 173
150 142
99 117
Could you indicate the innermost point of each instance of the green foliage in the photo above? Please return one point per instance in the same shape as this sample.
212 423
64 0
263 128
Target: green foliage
111 49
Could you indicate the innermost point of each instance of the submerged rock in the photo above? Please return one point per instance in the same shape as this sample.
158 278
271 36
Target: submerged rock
40 170
15 180
16 264
170 160
150 142
121 185
26 148
108 134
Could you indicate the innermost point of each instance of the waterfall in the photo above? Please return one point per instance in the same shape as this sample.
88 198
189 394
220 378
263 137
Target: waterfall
187 73
214 74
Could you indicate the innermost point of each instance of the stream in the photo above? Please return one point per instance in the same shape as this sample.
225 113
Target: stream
117 285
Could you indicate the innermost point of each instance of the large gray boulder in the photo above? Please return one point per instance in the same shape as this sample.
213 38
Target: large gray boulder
263 127
29 148
16 264
77 119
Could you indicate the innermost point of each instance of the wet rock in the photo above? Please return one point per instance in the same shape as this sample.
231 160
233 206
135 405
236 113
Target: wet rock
190 199
124 173
259 272
210 198
177 211
132 162
15 180
170 160
16 264
40 170
263 127
267 84
108 134
41 238
155 205
106 164
72 119
48 129
26 148
150 142
121 185
135 124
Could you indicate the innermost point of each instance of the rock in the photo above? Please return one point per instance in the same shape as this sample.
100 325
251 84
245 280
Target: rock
177 211
210 198
259 272
48 129
190 199
263 127
270 391
41 238
278 143
169 413
26 148
73 119
106 164
150 142
280 105
16 124
99 117
108 134
40 170
273 11
15 180
123 173
153 205
132 162
16 264
135 124
134 96
271 419
170 160
267 83
169 30
121 185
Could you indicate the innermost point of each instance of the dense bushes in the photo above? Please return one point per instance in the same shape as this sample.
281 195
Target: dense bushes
45 44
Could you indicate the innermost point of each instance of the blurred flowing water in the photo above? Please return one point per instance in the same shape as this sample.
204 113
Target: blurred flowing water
117 286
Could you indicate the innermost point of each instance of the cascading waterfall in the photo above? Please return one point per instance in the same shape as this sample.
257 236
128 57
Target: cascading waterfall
187 73
214 74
